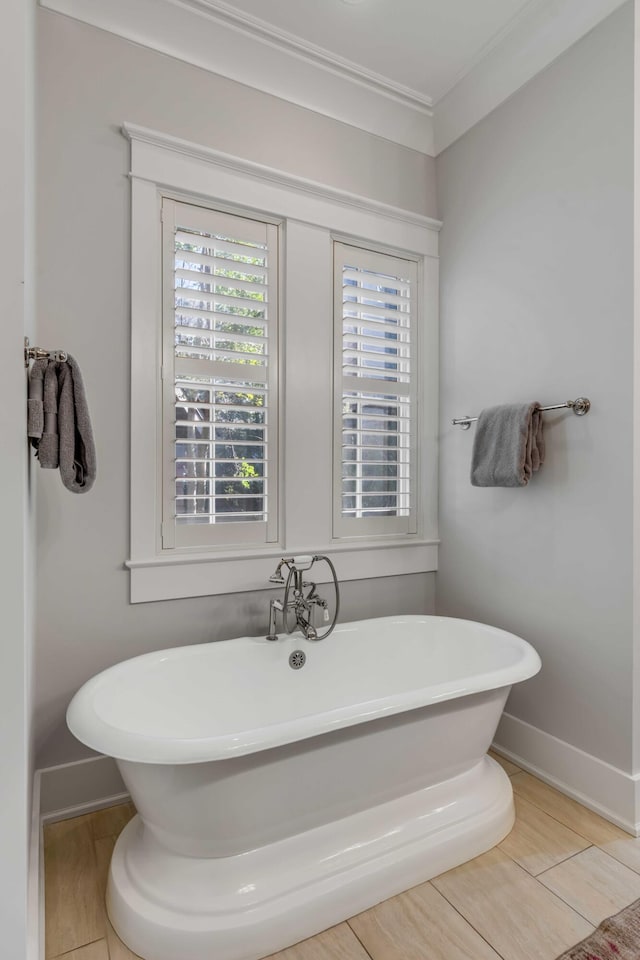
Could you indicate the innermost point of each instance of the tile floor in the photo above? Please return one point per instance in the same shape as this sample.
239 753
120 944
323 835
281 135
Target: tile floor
560 872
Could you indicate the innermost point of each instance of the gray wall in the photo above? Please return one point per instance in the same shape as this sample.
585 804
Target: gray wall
18 894
537 304
89 82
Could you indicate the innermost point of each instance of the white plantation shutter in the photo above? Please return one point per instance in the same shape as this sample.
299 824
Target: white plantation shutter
219 377
375 378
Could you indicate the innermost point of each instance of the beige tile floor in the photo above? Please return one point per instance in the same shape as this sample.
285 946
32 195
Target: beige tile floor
560 872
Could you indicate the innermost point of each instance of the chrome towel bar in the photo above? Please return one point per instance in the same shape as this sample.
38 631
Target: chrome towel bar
580 406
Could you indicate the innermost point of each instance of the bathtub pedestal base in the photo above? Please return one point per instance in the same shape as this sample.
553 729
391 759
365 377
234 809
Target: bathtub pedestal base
171 907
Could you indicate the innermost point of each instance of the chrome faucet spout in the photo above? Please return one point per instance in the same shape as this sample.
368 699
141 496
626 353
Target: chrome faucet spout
276 576
274 607
311 633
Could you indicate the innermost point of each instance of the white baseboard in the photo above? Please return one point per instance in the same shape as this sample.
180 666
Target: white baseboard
72 789
68 790
607 790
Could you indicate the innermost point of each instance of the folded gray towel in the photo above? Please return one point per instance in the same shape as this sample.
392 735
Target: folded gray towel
35 420
59 424
35 408
48 445
508 446
77 448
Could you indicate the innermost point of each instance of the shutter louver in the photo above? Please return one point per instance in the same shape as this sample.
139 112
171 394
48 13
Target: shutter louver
375 297
220 397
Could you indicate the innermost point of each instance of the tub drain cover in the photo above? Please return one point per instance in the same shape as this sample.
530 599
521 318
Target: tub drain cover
297 659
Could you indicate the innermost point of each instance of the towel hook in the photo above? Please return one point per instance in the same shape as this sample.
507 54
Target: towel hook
37 353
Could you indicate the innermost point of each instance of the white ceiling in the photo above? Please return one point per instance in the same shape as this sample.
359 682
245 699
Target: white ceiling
423 45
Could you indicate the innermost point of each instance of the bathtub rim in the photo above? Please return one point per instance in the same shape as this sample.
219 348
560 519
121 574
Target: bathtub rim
96 733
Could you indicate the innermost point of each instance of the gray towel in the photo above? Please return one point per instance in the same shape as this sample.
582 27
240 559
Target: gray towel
35 407
65 437
49 442
77 448
508 446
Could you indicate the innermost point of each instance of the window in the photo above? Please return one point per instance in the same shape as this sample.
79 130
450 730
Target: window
219 378
284 375
375 407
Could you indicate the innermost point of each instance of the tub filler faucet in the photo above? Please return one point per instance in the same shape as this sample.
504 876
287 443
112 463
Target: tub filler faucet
301 596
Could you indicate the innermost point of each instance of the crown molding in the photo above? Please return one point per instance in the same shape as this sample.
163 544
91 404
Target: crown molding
207 34
484 51
264 31
538 36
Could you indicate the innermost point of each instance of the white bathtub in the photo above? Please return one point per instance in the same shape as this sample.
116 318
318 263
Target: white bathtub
275 802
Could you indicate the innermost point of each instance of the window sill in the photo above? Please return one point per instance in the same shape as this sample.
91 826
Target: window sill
197 575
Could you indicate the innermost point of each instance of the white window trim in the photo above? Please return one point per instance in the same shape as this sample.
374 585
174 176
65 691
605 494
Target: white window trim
313 215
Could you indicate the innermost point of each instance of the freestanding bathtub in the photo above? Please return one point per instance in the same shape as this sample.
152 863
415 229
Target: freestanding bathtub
275 802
